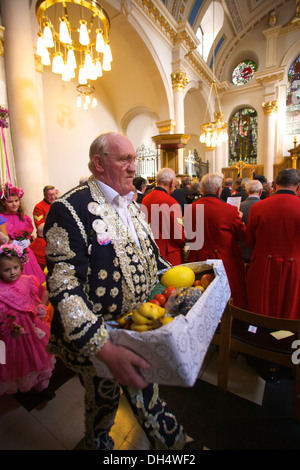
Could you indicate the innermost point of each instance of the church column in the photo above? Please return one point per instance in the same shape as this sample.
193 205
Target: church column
23 99
179 82
270 109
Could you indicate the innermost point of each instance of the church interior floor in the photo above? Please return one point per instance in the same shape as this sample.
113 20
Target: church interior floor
252 415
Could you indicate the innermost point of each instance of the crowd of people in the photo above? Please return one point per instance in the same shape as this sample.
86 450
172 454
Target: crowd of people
102 245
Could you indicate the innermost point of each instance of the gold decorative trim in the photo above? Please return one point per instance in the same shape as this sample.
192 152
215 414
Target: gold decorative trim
38 64
270 107
166 127
179 80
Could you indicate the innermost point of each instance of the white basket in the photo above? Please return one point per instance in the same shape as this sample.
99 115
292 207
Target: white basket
176 350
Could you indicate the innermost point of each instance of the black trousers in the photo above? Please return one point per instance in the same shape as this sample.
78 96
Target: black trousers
101 404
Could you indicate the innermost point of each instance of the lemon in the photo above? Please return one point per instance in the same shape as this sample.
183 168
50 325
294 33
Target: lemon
178 276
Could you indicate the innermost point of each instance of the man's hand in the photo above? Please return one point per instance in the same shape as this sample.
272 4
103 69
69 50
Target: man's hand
123 364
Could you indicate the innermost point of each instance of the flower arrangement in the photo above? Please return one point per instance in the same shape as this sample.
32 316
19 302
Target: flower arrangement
9 190
22 235
4 114
8 326
10 250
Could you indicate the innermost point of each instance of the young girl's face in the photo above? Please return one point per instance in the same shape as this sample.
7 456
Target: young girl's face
10 270
12 205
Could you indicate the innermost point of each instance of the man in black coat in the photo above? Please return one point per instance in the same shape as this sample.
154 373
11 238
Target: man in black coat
102 262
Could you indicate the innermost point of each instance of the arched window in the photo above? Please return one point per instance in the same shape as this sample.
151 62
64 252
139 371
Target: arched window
209 28
293 99
243 72
243 136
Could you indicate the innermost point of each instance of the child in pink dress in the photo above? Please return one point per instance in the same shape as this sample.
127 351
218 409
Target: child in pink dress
22 329
19 226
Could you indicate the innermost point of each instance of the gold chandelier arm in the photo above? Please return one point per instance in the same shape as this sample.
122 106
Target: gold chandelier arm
74 34
43 5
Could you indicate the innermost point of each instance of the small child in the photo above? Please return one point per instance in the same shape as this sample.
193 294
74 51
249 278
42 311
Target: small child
22 329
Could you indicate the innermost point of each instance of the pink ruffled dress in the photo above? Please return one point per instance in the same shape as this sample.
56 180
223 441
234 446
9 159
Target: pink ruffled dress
15 226
27 363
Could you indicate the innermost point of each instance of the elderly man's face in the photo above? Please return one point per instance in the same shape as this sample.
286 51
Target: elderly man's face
50 195
117 167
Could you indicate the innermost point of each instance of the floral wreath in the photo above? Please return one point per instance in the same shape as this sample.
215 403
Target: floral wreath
10 250
8 190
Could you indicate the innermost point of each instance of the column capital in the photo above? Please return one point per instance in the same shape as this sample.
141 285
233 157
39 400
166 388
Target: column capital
270 107
166 127
179 80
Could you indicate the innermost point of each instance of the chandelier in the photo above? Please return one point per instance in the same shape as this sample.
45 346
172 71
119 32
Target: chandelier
73 38
84 96
214 132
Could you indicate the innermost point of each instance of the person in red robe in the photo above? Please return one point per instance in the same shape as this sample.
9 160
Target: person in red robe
164 215
41 209
273 228
222 230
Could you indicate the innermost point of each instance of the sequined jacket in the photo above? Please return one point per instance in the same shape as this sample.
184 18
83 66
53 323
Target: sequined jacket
95 270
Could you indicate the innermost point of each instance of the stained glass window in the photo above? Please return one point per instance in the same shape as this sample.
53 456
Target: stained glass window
293 99
243 72
243 136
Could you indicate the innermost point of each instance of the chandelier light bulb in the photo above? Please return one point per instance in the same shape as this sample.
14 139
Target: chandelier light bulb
79 101
83 33
45 58
93 74
71 71
106 64
40 45
48 36
82 80
87 99
66 76
107 53
99 41
85 105
88 65
71 60
58 63
64 35
98 68
94 102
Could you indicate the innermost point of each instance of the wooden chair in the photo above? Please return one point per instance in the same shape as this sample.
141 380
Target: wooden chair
233 335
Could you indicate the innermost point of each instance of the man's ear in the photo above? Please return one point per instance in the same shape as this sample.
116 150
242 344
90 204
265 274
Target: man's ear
98 163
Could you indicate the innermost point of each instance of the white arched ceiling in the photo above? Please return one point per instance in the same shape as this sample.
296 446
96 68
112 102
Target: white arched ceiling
134 79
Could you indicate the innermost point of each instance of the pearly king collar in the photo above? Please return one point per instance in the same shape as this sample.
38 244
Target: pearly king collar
110 228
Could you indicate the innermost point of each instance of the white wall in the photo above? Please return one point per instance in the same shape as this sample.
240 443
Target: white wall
70 130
